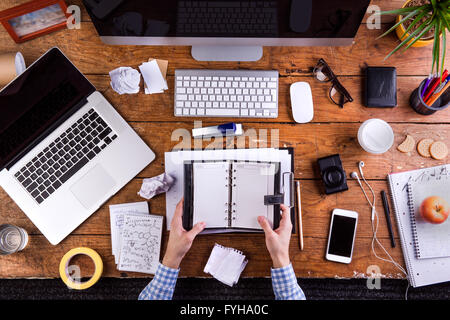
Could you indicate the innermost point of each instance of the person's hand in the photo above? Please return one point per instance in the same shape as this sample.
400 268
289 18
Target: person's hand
277 241
180 240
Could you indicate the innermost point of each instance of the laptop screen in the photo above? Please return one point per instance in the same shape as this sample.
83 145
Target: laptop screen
37 99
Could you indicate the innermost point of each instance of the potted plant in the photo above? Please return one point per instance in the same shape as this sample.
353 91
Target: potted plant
422 22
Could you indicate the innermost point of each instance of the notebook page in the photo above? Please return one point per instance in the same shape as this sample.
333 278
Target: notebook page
141 243
433 240
174 167
117 212
252 181
211 193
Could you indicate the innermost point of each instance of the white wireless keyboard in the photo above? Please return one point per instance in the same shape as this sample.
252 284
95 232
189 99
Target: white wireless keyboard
226 93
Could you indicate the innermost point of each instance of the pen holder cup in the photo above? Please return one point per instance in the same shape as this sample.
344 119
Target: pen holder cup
421 107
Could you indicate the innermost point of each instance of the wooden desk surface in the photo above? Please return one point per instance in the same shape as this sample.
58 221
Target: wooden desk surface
333 130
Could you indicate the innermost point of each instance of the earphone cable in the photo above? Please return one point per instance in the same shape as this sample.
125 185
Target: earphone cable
375 230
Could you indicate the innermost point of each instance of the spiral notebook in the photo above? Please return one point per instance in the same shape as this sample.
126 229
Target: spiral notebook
421 272
430 240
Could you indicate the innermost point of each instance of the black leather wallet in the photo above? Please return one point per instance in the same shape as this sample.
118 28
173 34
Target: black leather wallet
381 87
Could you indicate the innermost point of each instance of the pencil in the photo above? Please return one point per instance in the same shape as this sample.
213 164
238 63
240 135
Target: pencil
299 212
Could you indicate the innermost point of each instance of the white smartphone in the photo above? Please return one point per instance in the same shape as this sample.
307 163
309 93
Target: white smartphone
342 235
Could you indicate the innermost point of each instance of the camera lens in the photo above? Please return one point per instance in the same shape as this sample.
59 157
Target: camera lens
333 177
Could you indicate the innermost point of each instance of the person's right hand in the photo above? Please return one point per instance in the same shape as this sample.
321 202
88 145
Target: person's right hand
180 240
277 241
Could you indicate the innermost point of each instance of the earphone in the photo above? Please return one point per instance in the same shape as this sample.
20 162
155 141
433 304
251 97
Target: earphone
354 175
375 221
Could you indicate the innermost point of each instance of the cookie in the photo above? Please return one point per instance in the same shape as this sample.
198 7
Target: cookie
423 147
407 145
439 150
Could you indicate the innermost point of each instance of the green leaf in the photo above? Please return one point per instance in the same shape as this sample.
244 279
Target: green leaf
404 10
444 45
397 24
404 42
420 16
419 36
434 3
436 48
444 20
434 53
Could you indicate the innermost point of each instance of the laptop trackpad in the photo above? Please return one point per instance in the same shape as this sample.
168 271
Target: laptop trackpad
93 186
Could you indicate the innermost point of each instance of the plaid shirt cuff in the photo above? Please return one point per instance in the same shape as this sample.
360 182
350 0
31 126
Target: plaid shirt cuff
285 286
162 286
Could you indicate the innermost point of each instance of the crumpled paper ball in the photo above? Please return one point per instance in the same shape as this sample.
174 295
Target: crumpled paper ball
156 185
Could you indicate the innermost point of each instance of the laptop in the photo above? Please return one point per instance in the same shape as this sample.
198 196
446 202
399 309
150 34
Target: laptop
64 150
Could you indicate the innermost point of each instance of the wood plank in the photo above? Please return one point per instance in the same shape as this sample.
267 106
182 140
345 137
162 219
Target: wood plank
86 50
309 141
41 260
160 107
316 209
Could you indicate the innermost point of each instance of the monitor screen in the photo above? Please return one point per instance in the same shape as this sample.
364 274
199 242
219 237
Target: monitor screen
36 99
227 18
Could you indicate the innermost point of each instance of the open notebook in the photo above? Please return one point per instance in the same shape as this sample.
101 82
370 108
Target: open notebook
430 240
230 194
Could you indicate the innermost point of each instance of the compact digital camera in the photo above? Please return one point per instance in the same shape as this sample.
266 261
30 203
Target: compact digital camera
333 174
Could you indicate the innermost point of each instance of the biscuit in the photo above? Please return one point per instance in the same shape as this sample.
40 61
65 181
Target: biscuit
423 147
438 150
407 145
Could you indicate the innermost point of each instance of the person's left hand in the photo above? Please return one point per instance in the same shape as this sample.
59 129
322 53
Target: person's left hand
180 240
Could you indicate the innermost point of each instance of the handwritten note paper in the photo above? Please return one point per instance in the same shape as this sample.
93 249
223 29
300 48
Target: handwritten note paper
141 243
117 212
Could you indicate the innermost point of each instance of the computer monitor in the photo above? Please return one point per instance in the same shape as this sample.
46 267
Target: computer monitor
227 30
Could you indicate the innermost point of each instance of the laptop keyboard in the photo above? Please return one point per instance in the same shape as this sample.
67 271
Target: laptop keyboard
65 156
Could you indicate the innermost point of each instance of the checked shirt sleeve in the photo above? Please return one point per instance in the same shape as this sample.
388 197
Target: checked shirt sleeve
162 286
285 286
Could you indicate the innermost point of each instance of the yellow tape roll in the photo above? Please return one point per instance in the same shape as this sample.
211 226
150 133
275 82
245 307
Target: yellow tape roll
64 268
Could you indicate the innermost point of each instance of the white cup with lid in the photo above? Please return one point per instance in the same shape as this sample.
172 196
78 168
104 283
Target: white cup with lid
375 136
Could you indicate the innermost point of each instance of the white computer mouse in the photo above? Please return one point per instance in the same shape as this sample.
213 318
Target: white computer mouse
302 102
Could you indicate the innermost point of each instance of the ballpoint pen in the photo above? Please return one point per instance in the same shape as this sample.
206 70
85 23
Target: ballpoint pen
434 85
442 85
388 217
425 86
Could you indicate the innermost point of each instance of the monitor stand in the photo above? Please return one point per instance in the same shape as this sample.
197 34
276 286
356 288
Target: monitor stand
227 53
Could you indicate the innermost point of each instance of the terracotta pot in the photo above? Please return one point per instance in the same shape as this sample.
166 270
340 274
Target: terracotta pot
400 30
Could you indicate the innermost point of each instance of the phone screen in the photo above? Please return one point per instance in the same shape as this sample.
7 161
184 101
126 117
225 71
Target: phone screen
341 238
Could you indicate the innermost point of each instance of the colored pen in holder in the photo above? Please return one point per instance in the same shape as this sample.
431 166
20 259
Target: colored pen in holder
418 104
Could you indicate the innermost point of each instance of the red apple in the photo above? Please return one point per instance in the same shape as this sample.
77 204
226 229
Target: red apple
434 209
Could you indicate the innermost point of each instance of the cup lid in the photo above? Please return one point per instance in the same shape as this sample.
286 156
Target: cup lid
376 136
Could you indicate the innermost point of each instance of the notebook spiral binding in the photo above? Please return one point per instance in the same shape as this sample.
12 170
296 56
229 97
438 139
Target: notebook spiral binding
413 221
409 265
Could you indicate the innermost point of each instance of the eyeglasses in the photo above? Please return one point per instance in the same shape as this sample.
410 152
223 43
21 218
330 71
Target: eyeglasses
337 94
